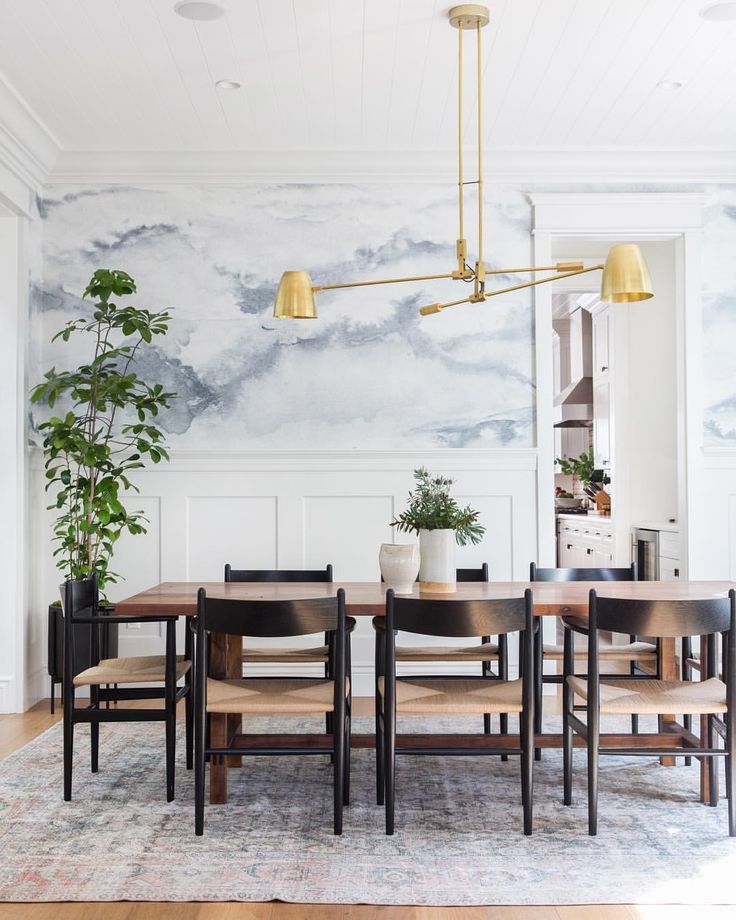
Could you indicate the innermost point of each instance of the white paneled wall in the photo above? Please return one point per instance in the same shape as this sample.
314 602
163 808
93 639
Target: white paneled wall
301 510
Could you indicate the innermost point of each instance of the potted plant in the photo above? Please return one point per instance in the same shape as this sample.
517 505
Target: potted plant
105 432
441 524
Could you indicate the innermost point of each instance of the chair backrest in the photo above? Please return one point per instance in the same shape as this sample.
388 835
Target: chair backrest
275 575
456 618
583 574
274 619
663 619
480 574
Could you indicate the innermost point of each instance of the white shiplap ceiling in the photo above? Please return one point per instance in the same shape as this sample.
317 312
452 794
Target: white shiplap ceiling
132 75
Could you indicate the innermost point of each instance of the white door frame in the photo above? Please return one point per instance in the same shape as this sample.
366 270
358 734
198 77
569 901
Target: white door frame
13 345
628 217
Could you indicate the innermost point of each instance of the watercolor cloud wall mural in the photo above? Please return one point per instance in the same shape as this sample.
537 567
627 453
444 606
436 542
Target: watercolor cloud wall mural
370 373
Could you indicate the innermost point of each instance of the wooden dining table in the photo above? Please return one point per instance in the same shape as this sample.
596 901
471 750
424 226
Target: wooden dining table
368 599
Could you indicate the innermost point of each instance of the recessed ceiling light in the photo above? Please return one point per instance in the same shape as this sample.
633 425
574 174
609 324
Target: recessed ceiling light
670 84
198 10
227 84
720 11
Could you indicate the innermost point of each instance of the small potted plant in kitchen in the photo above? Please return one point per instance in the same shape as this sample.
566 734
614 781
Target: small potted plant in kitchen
441 523
104 433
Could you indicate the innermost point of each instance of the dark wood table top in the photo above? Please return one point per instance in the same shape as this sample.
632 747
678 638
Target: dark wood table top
367 598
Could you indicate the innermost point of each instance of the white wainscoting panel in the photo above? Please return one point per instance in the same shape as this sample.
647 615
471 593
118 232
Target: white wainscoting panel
713 519
302 509
238 529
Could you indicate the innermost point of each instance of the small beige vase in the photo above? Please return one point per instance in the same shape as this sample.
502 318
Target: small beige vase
399 564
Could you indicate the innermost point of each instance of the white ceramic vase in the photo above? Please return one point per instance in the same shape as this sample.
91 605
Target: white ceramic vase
437 572
399 564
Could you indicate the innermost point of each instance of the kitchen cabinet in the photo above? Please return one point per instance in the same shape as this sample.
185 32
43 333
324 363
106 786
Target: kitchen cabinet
602 415
602 423
571 442
601 342
584 542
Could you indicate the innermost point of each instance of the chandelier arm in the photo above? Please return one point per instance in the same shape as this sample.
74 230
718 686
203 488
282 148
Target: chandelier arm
352 284
526 284
438 307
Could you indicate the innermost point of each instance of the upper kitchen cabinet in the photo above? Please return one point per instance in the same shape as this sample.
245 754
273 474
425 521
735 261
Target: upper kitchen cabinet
602 402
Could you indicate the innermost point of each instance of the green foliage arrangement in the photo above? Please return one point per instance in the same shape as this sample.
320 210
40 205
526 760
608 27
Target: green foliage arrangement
107 431
431 507
580 467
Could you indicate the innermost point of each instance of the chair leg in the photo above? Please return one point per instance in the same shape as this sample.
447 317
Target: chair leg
527 774
94 731
189 721
389 768
379 727
199 769
712 764
503 673
538 684
593 743
68 745
346 771
338 750
567 742
731 770
170 753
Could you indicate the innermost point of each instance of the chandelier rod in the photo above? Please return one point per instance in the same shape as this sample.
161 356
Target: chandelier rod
480 153
460 138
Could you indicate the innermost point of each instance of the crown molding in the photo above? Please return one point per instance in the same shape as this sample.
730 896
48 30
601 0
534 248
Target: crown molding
601 165
28 149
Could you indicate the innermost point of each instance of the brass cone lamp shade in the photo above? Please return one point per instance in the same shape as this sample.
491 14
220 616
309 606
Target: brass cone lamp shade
295 297
625 275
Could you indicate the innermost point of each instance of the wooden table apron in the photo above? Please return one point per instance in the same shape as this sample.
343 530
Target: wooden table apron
368 599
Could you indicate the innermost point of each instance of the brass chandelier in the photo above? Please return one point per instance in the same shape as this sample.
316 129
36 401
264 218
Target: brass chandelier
625 273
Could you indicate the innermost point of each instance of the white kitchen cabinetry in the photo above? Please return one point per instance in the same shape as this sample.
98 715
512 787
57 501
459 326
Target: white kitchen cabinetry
584 542
602 387
669 555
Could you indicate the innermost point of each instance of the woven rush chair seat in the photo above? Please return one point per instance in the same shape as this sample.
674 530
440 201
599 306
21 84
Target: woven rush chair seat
655 697
471 696
485 652
630 651
142 670
283 655
272 695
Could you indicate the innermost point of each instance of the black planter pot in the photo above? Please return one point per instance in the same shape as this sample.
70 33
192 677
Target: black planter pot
82 644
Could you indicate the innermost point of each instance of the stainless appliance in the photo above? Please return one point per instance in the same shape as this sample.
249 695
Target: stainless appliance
646 554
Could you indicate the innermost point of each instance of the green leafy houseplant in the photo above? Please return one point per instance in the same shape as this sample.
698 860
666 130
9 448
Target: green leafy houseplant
431 507
578 467
106 432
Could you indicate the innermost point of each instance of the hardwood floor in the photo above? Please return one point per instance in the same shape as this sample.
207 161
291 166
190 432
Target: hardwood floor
17 730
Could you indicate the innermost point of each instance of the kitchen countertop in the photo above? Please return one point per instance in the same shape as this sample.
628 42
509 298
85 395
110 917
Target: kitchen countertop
591 517
666 526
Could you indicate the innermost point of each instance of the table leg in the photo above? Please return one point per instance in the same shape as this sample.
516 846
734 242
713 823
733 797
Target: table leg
225 663
234 671
668 671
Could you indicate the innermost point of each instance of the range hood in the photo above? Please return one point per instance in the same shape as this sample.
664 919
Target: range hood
573 404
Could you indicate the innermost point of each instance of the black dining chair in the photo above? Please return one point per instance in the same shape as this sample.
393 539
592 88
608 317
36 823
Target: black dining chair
438 696
275 696
486 652
293 654
81 608
605 694
635 652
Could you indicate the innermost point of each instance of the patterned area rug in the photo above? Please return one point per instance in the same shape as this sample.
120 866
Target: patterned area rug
458 839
